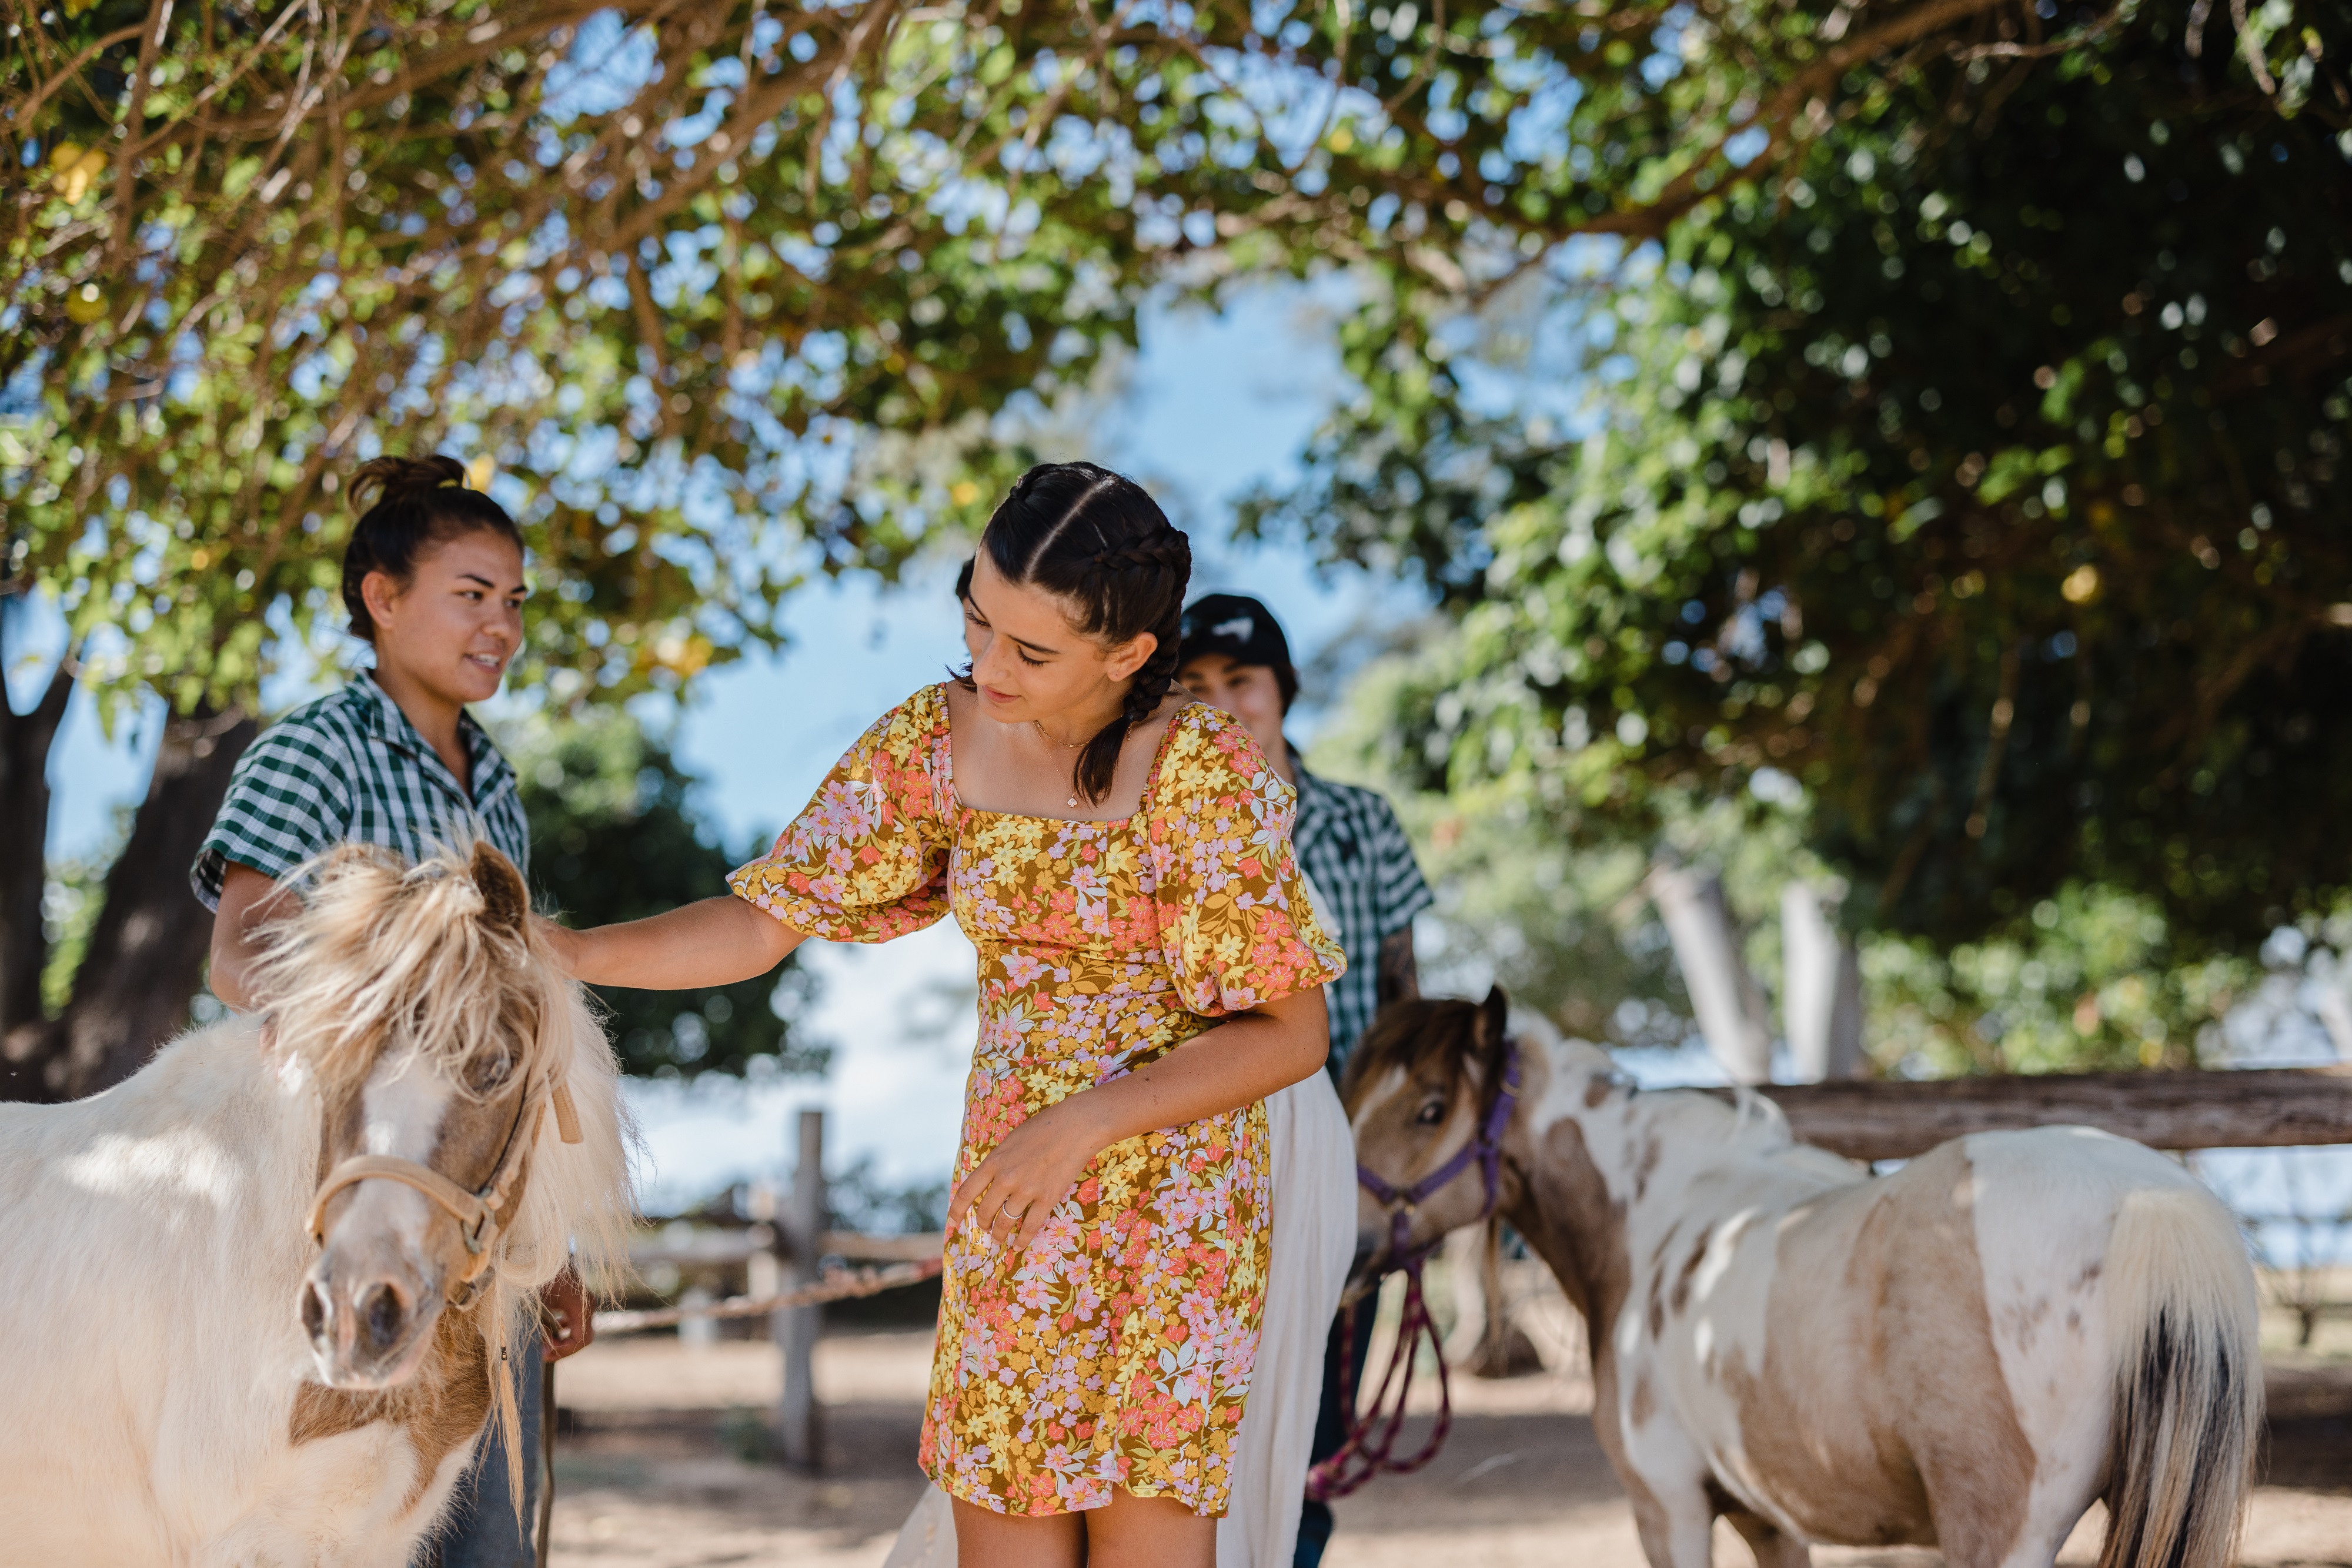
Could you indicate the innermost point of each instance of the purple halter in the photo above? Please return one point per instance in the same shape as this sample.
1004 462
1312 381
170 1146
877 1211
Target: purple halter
1372 1435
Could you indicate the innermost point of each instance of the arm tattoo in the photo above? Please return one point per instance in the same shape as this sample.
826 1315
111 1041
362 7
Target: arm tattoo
1397 978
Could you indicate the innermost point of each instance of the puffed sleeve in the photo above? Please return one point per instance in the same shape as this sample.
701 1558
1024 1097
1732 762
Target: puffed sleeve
1235 918
868 859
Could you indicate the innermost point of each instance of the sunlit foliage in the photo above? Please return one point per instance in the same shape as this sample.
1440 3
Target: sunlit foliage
729 293
1983 470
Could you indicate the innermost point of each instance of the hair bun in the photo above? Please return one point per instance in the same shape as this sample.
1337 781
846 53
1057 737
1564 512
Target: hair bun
406 505
381 479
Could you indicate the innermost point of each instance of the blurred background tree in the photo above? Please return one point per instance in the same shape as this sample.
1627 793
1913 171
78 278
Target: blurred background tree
2090 978
615 835
730 296
1972 484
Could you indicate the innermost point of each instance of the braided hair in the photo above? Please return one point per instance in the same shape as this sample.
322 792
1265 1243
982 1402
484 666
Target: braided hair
407 505
1094 540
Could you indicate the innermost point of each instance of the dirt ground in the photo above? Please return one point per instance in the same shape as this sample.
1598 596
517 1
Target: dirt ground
664 1464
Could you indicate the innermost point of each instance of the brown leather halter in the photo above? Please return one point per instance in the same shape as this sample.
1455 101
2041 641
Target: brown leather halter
480 1214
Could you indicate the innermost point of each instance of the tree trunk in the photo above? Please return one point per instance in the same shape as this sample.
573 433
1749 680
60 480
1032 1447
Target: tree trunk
146 954
24 741
2334 1003
1725 997
1821 995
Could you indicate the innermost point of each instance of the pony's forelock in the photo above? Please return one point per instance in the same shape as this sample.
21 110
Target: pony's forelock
386 960
1425 1034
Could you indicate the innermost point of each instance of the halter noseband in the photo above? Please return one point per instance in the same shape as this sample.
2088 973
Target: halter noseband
482 1213
1372 1438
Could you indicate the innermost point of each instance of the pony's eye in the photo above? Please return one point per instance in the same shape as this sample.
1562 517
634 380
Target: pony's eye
1431 1114
488 1073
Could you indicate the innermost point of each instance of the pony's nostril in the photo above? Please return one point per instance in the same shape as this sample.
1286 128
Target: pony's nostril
382 1314
314 1311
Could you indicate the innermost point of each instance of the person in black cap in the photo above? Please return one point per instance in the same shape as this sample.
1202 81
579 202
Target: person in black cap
1352 849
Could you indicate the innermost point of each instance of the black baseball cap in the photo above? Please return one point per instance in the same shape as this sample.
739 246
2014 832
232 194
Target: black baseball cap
1236 625
1244 631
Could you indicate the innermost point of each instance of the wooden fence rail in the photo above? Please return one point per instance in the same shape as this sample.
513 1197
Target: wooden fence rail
841 1285
2257 1108
737 1247
781 1253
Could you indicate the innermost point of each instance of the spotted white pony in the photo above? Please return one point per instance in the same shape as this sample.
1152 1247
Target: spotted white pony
1967 1354
254 1301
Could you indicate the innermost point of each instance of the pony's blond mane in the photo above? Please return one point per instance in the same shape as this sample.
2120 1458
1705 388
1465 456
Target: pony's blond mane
385 959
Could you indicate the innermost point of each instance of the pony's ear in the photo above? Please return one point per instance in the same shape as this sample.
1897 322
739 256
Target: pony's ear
1493 1016
506 902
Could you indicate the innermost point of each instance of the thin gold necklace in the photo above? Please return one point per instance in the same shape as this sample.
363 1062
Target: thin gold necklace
1066 746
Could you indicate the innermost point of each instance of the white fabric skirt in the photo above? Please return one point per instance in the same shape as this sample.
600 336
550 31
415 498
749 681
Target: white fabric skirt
1313 1243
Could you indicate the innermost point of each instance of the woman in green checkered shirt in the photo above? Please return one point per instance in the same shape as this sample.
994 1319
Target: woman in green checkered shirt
433 578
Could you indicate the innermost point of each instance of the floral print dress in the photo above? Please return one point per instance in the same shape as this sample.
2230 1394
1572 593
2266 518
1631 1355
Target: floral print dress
1117 1352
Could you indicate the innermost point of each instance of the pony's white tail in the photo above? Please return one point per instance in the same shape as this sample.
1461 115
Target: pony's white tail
2188 1382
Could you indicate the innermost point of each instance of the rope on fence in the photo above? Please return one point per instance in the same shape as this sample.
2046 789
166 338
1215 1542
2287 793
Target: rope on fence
838 1285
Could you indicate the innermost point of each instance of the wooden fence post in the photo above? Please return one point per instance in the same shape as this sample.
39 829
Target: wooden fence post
799 1424
762 1264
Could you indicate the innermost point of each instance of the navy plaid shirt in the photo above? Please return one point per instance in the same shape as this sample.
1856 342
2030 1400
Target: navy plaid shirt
1353 848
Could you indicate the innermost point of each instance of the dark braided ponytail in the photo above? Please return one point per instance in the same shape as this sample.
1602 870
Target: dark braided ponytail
1097 541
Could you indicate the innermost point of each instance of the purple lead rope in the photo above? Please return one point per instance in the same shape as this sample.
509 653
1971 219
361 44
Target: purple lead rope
1370 1447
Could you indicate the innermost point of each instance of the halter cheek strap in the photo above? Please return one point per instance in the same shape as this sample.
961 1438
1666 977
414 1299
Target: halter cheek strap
480 1214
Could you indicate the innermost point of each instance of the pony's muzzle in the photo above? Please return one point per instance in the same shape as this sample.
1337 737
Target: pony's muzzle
366 1326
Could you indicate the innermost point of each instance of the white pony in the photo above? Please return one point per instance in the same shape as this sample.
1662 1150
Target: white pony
1966 1353
255 1300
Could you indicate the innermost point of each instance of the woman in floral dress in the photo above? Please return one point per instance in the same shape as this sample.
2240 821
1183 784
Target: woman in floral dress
1150 971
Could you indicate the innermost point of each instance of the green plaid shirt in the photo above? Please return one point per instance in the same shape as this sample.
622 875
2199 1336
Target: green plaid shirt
350 768
1353 849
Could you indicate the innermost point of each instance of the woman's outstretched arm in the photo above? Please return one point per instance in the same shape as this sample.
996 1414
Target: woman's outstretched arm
1245 1058
714 942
